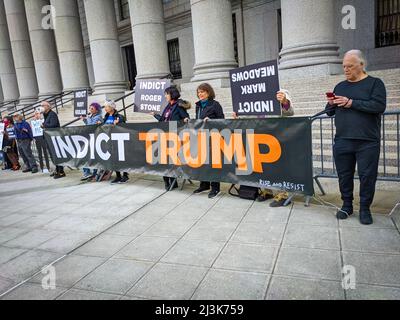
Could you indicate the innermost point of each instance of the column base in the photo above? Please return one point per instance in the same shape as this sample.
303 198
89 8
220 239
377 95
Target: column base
313 58
112 90
311 71
26 101
207 72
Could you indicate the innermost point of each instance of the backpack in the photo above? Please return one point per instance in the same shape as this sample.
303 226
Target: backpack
245 192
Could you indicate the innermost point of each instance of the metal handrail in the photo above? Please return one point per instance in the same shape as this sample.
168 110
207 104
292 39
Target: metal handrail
382 176
116 101
31 108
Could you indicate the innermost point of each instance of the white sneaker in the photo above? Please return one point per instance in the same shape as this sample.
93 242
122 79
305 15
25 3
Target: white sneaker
45 171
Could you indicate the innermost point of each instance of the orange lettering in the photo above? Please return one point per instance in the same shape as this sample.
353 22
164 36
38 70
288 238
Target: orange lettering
274 154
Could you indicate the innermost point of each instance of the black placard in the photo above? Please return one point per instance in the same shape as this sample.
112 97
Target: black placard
254 89
80 103
149 95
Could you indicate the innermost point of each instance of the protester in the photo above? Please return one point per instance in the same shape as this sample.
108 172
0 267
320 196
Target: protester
50 122
41 148
206 109
112 117
10 151
358 105
94 118
176 110
280 199
24 140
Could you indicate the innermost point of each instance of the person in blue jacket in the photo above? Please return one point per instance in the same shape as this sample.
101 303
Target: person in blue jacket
94 118
24 140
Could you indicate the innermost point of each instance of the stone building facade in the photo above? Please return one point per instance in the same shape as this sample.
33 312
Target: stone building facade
108 44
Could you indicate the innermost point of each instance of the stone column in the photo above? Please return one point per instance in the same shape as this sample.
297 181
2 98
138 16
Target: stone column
22 52
148 30
43 49
213 40
309 41
8 77
71 53
105 47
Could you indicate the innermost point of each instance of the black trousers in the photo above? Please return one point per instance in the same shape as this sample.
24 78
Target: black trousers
42 151
118 173
215 186
59 169
365 154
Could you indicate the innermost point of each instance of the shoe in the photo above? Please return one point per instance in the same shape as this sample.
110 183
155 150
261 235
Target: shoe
27 170
345 212
116 180
264 197
45 171
213 194
59 175
279 201
86 177
200 190
123 180
35 170
366 216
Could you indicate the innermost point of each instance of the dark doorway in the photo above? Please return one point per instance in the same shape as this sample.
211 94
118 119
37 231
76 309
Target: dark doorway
131 63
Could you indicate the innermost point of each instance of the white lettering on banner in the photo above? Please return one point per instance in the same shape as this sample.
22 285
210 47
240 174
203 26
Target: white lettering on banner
121 138
80 146
91 137
81 151
150 85
258 106
53 139
66 146
288 186
102 137
254 74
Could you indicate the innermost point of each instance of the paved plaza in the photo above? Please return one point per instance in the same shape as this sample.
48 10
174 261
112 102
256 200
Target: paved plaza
136 241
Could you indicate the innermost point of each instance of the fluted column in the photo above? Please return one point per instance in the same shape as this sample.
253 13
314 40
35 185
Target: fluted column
308 32
148 30
105 47
8 78
213 39
43 49
71 53
22 52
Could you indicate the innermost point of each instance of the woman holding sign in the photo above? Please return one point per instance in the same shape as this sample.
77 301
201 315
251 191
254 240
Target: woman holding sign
94 118
206 109
176 110
37 132
280 199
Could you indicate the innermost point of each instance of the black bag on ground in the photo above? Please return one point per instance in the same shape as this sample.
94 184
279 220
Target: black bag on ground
245 192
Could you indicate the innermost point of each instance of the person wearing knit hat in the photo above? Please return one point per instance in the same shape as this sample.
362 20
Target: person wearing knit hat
94 118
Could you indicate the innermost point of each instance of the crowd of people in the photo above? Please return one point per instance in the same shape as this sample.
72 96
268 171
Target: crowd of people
358 103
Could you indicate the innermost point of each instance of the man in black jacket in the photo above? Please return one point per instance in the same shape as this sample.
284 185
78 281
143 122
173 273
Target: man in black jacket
51 121
358 105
